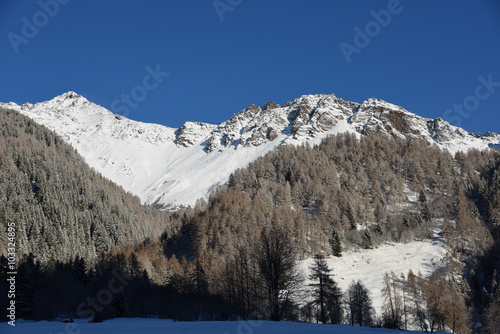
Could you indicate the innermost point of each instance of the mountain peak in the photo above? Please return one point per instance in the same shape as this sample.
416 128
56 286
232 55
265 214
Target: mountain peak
164 165
60 102
69 95
70 98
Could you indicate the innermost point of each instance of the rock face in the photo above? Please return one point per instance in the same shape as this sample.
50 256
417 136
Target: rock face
301 119
190 133
164 165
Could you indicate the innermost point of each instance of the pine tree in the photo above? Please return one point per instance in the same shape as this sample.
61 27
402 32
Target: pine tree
334 302
119 305
367 240
134 266
199 278
426 213
350 217
320 274
145 278
335 244
28 277
422 198
360 304
80 269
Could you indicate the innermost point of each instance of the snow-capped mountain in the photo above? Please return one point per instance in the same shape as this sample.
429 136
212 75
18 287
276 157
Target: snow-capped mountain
167 166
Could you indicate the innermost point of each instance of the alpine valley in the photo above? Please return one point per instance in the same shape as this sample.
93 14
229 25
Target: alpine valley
318 210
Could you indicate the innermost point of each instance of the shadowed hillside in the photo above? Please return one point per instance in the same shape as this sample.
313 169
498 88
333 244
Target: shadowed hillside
60 206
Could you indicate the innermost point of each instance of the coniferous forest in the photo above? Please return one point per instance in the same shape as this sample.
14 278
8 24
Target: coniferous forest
235 255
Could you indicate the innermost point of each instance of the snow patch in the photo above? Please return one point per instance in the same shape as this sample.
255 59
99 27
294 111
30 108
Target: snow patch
370 265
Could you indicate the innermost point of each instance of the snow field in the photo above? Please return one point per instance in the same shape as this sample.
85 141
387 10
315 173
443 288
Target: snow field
370 265
155 326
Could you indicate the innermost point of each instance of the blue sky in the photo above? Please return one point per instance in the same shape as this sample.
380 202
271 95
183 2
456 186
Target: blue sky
223 55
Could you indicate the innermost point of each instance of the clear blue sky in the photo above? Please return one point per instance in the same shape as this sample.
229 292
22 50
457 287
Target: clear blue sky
426 59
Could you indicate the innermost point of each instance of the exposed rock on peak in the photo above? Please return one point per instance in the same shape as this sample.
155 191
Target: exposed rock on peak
270 105
191 133
70 95
164 165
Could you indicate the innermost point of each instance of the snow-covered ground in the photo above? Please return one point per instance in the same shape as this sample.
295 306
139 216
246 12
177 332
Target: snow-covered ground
369 266
155 326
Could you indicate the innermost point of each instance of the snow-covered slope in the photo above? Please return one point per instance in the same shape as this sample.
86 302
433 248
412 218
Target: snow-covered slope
155 326
165 166
370 265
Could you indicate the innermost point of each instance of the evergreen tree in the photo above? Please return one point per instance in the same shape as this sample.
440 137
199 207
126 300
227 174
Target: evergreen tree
426 213
350 217
320 274
200 278
145 278
119 305
335 244
367 240
134 266
80 269
360 304
28 277
422 198
334 302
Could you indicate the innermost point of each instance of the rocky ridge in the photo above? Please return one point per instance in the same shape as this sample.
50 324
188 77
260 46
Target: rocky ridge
168 166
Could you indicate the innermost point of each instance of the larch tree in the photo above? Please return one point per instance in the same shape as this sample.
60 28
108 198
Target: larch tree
276 264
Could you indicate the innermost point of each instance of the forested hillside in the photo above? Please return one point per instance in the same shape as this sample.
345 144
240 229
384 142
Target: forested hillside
235 256
62 208
347 193
359 192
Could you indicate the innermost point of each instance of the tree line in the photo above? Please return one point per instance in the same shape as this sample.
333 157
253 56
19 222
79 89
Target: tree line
343 194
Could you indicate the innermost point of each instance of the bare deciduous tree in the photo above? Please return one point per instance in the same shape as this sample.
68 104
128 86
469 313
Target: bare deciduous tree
276 263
